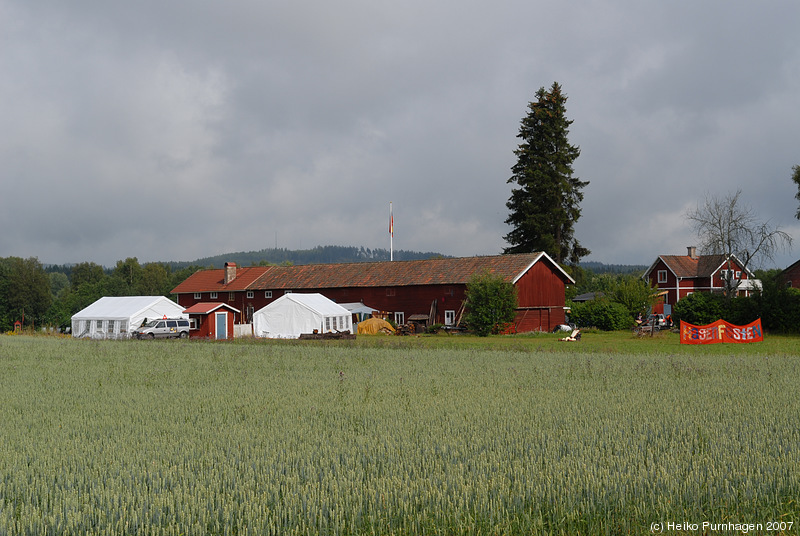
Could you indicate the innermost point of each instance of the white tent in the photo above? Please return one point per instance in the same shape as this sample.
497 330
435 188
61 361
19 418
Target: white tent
361 311
294 314
117 317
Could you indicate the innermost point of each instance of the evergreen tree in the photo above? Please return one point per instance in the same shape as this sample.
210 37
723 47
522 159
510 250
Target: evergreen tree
545 204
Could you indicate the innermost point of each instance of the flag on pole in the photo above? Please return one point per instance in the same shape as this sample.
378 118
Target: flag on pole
391 220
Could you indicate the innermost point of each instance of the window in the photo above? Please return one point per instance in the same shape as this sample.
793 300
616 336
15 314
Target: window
198 295
99 324
250 294
213 295
723 274
231 296
268 294
111 325
287 291
327 323
738 274
193 323
390 292
449 318
400 318
662 276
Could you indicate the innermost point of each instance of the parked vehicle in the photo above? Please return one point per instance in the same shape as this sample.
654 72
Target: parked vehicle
164 328
659 319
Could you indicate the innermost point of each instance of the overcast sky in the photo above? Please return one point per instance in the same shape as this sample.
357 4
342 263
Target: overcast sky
183 129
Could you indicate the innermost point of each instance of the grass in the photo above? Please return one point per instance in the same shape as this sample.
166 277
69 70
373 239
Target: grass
396 435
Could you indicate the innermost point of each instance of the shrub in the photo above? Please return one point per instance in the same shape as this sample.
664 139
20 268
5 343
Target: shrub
602 314
700 308
491 301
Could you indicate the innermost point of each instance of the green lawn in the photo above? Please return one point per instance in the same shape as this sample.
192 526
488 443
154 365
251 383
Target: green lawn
397 435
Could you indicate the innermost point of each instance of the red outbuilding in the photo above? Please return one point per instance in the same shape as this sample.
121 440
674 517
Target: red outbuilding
211 320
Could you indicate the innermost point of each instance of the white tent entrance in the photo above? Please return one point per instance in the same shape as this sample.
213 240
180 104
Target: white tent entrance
295 314
117 317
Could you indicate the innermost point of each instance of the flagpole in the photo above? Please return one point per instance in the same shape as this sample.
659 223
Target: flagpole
391 233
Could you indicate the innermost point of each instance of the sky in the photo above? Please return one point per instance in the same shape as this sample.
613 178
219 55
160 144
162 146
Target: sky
185 129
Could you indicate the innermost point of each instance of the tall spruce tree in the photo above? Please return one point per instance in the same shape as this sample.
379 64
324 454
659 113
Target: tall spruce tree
545 204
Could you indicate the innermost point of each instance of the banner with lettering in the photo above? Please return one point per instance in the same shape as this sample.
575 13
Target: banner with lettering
721 331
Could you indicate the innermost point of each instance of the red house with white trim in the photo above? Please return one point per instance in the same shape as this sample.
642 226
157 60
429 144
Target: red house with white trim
210 320
677 276
435 287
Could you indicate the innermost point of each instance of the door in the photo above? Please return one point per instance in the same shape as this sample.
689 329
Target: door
222 325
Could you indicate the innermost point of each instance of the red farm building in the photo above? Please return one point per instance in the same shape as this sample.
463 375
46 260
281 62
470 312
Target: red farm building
435 287
210 320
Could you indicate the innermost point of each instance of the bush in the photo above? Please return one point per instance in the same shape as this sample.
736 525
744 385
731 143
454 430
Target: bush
602 314
491 301
700 308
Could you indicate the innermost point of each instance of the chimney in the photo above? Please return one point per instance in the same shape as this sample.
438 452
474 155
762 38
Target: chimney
230 272
692 252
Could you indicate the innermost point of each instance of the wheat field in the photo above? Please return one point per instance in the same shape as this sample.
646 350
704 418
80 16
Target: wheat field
186 437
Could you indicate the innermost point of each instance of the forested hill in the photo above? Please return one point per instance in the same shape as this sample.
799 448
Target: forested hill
601 268
317 255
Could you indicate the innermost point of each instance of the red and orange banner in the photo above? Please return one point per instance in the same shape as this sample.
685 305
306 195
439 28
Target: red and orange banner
721 331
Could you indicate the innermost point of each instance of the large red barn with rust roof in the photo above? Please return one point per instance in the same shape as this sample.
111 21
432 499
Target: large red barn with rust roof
401 288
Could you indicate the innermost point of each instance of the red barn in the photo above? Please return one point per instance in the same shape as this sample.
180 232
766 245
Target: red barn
677 276
433 287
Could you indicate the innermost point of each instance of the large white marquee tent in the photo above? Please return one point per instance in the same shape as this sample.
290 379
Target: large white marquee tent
294 314
117 317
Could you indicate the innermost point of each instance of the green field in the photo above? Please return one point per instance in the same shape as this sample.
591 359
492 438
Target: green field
391 435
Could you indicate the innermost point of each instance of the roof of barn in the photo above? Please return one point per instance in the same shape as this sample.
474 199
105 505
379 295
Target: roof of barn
446 271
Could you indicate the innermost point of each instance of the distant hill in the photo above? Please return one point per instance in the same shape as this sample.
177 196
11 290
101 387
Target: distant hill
317 255
601 268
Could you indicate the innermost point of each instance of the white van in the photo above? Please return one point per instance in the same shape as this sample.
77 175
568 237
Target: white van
164 328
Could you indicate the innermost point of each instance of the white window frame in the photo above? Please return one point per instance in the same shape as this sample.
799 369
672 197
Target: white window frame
287 291
268 294
212 295
399 317
198 295
250 294
449 317
231 296
662 276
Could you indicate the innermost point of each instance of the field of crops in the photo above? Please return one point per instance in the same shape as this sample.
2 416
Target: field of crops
186 437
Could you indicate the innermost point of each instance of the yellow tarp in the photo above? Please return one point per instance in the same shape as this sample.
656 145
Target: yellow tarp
371 326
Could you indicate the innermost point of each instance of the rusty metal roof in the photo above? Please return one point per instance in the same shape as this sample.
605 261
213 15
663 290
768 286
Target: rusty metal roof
687 267
214 280
446 271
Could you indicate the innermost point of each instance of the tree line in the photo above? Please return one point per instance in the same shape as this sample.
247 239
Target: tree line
36 295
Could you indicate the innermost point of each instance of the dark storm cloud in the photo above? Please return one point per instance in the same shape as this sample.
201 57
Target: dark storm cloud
238 124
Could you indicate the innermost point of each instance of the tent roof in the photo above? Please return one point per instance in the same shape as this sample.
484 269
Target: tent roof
120 307
358 307
313 301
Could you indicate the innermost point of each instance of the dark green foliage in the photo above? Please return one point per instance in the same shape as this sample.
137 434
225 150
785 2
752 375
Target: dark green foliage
602 314
490 304
700 308
24 292
634 294
545 204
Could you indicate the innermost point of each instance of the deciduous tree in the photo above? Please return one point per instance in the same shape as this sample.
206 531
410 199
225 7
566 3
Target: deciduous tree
491 302
728 226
